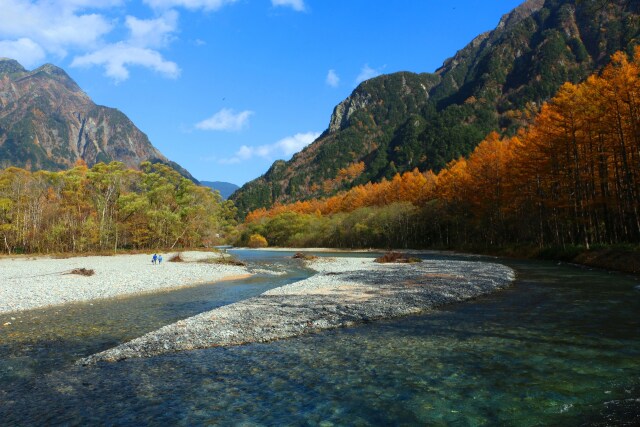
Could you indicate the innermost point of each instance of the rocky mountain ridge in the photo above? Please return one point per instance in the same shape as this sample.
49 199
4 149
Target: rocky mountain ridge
48 122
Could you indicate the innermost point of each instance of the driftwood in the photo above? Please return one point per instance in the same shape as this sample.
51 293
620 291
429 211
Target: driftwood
82 272
396 257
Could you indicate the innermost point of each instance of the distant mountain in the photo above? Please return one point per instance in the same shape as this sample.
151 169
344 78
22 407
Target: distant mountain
397 122
48 122
225 188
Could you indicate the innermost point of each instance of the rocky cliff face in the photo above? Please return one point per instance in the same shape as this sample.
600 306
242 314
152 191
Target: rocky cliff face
48 122
343 111
397 122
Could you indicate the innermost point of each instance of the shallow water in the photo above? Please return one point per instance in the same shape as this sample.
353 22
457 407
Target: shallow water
559 347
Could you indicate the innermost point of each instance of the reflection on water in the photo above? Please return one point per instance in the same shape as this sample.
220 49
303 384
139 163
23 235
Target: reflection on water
561 346
38 341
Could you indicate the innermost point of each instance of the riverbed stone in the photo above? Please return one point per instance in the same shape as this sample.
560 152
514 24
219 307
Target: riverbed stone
344 292
31 283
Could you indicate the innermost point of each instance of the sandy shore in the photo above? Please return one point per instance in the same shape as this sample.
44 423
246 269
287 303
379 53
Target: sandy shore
346 291
28 283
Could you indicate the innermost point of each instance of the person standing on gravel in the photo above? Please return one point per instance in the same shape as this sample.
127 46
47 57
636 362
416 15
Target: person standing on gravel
154 258
159 259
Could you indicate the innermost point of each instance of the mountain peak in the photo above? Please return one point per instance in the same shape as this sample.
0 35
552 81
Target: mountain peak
58 74
10 66
521 12
48 122
507 22
51 69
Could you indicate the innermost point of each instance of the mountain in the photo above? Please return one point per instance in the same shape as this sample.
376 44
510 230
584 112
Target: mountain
401 121
48 122
225 188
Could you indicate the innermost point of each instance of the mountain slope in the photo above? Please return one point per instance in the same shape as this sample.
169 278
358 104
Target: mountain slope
401 121
225 188
48 122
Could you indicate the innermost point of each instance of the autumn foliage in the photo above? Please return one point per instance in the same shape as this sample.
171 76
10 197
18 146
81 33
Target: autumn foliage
107 207
572 177
257 241
414 187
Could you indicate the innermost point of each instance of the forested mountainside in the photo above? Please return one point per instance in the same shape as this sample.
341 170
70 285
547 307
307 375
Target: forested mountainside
397 122
571 179
48 122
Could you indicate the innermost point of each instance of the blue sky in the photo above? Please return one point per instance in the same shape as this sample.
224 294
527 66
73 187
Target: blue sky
225 87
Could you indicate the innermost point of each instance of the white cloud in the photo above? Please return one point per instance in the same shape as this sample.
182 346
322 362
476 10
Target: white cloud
55 26
117 57
140 49
24 50
367 73
286 147
152 32
332 78
226 119
89 31
32 30
95 4
297 5
209 5
292 144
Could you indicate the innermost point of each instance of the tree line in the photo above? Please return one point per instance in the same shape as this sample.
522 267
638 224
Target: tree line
108 207
570 178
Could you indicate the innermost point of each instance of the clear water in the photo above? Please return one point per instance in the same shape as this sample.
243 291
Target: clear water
560 347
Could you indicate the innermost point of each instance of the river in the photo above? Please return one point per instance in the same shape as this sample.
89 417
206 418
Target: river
561 346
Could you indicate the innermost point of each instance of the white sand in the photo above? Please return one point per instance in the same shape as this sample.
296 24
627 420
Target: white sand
27 283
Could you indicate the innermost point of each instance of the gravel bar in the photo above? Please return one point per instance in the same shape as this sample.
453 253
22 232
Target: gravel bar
344 292
29 283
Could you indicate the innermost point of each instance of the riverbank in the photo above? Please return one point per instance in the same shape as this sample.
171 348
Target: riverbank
612 258
625 259
344 292
29 283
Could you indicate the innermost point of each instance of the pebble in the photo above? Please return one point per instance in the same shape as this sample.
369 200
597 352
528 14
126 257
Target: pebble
344 292
34 283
